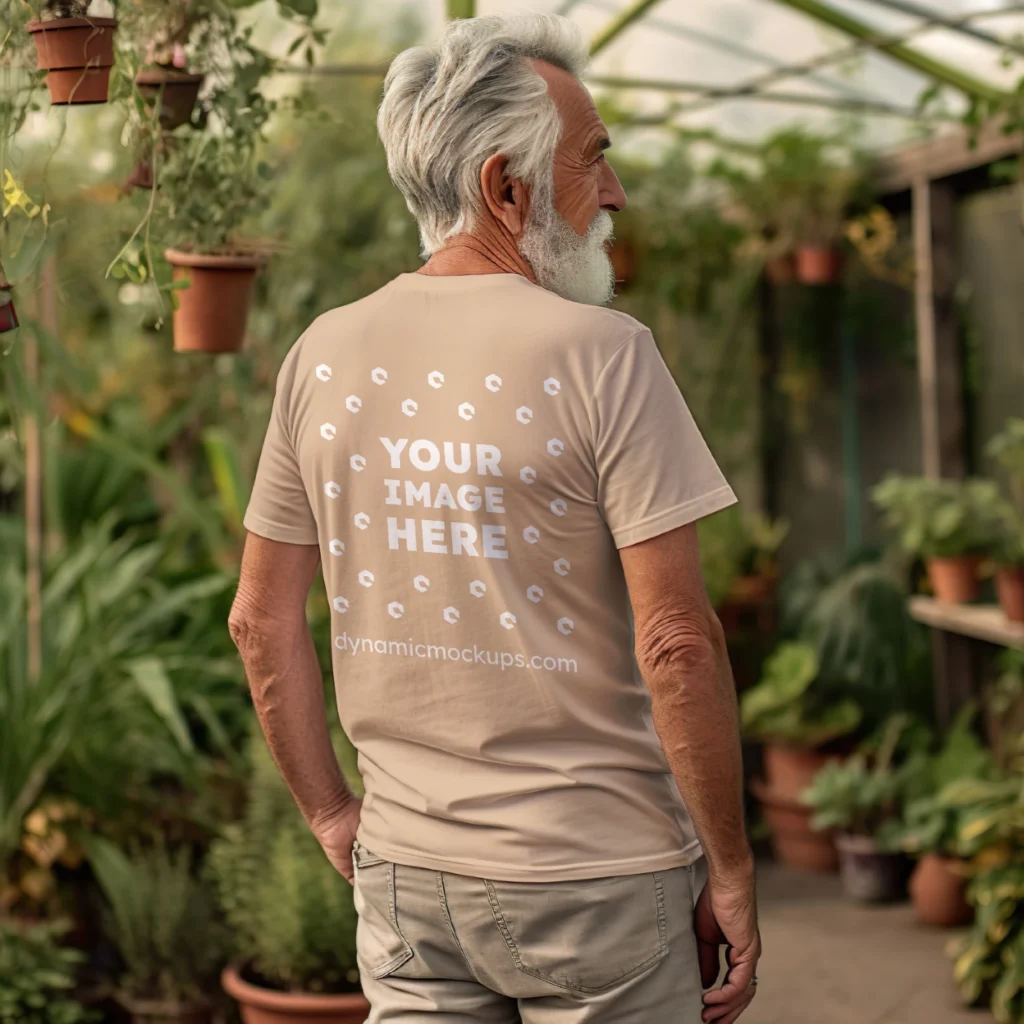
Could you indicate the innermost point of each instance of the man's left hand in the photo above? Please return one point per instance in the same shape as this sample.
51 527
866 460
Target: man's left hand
337 834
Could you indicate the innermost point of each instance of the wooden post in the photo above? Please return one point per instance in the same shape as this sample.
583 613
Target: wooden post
939 355
940 371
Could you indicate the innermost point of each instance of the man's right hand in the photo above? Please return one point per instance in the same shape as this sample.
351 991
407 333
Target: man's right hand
727 915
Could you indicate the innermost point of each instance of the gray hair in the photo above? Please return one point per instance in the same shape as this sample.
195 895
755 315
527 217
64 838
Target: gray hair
448 108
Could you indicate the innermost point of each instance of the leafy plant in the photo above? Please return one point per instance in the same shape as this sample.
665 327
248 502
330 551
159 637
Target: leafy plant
864 794
162 920
124 674
933 817
291 912
37 976
942 518
989 960
734 545
1007 449
786 707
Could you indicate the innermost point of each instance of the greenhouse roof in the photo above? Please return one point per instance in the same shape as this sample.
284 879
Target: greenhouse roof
744 68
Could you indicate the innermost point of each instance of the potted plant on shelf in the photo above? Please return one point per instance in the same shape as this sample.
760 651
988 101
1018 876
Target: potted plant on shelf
162 921
1007 449
75 48
951 524
861 800
797 726
931 825
291 913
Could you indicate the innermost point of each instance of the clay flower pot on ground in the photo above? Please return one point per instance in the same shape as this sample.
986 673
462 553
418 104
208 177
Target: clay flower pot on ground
818 264
789 770
794 842
954 580
260 1005
78 54
213 309
176 92
869 872
1009 588
937 891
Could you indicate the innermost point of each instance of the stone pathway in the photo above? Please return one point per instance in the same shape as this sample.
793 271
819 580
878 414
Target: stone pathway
828 961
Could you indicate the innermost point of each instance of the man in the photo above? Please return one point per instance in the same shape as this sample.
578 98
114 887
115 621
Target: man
491 469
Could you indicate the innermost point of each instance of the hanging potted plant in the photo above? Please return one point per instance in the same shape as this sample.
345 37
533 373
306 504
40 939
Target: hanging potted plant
1007 448
296 953
76 50
861 800
209 186
951 524
932 820
797 725
161 919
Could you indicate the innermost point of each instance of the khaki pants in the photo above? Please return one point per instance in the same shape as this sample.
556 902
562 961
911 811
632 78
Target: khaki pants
437 948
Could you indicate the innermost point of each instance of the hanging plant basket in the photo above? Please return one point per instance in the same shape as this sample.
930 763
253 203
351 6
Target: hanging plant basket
78 54
818 264
8 316
213 309
176 91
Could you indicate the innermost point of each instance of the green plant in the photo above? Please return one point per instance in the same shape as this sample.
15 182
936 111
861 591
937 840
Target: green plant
989 960
864 794
933 816
126 693
37 976
162 920
1007 449
734 544
785 705
942 518
868 647
291 912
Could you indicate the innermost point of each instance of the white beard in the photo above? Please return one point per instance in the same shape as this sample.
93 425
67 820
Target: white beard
574 266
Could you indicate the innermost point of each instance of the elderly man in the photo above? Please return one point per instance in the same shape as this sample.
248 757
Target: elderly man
501 482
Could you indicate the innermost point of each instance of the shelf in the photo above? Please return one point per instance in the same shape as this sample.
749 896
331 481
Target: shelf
980 621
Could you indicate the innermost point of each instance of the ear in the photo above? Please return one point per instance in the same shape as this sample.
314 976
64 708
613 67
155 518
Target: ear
506 199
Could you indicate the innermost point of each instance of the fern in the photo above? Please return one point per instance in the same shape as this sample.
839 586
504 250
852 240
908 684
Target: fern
291 912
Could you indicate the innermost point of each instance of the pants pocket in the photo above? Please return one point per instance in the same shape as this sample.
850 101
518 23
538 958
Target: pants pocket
380 946
584 936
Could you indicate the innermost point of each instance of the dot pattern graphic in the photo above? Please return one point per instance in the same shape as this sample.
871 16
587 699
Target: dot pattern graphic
528 475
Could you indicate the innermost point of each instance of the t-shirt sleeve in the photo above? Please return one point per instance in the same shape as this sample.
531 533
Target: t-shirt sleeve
654 470
279 507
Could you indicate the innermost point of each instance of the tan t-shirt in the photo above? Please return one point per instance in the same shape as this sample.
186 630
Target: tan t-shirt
469 453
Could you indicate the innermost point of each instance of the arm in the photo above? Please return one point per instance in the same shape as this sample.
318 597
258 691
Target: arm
268 625
682 656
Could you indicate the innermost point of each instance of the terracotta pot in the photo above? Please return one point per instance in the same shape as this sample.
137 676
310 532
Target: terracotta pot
266 1006
177 92
871 875
1010 588
937 892
954 580
156 1011
788 771
213 310
781 270
78 53
794 842
818 264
